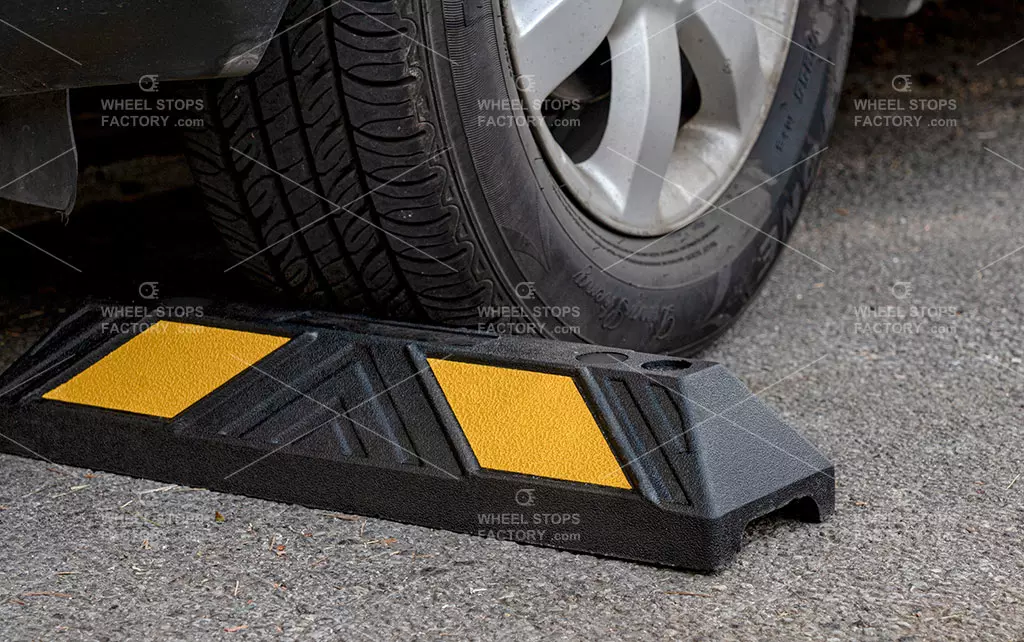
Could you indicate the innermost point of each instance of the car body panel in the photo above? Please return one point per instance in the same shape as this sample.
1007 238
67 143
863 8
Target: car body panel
47 46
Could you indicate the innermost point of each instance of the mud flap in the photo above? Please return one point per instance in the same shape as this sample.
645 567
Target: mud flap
40 162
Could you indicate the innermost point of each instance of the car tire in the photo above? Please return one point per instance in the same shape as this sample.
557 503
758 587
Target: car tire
353 170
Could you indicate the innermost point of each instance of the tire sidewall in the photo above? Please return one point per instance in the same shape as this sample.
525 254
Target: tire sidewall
566 276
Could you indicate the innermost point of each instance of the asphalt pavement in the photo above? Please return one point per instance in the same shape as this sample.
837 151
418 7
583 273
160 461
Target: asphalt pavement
901 360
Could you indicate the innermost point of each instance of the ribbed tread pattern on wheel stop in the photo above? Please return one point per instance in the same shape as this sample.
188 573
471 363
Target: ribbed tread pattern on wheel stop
321 396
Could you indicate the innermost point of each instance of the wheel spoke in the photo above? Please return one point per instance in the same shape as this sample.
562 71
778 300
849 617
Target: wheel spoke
721 46
652 172
643 122
552 38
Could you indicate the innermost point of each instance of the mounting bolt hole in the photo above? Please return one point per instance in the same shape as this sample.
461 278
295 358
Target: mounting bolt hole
667 365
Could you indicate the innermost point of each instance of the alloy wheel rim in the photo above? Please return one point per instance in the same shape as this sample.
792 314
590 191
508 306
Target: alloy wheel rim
651 166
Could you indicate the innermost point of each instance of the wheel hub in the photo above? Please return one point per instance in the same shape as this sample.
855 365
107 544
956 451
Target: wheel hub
641 157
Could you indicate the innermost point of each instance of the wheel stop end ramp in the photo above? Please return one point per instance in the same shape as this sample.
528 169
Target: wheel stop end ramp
576 447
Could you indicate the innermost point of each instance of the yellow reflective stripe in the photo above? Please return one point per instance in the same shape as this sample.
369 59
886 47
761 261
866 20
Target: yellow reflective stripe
533 423
167 368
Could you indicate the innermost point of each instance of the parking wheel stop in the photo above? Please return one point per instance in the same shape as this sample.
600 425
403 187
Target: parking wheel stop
576 447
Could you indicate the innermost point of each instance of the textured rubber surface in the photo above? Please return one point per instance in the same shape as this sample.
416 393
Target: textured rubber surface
166 369
369 92
527 422
356 415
